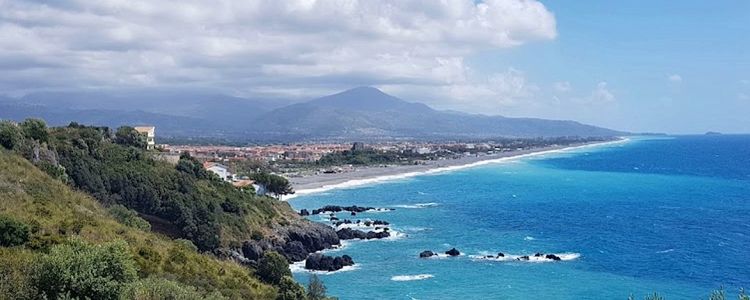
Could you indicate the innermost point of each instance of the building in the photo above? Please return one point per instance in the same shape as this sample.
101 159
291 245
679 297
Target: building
148 131
221 170
358 146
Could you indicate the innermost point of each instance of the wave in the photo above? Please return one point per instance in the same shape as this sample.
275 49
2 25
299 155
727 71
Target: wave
529 238
665 251
369 181
417 205
568 256
411 277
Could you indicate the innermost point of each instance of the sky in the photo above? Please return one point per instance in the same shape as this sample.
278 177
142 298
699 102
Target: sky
642 66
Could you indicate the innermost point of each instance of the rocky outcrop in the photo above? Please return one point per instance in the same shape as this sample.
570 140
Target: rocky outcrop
552 257
304 212
453 252
427 254
320 262
294 241
355 209
350 234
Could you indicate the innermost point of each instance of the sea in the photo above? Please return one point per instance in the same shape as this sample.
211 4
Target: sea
650 214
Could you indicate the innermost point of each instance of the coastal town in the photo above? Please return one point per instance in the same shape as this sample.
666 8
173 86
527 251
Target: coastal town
313 164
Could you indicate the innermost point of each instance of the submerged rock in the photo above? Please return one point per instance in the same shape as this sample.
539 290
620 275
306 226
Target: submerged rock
500 254
552 257
426 254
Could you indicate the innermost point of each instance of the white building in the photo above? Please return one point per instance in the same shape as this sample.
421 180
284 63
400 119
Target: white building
149 132
221 170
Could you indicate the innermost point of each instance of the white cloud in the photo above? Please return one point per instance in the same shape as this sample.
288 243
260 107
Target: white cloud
675 78
562 86
601 95
268 46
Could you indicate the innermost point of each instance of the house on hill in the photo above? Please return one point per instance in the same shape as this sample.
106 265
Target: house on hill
149 132
221 170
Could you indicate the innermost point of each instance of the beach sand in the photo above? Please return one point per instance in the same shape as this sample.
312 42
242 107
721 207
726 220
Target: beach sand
366 175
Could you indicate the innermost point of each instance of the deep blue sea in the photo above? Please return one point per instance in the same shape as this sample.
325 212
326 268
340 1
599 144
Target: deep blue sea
668 214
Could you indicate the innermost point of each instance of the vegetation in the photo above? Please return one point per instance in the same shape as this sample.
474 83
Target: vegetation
274 184
183 201
75 248
12 232
272 268
316 290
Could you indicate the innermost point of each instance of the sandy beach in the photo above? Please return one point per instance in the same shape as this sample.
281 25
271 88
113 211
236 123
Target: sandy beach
367 175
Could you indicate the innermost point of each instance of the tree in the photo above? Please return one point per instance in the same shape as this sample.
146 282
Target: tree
10 135
316 290
12 232
35 129
272 268
81 270
128 136
290 290
274 184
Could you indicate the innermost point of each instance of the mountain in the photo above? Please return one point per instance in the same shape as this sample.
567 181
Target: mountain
366 112
359 113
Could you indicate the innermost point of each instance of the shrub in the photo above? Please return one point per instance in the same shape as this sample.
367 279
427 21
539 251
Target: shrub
128 136
162 289
316 290
10 135
12 232
35 129
81 270
128 217
272 268
290 290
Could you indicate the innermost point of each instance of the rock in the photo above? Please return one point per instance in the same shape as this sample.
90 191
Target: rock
453 252
334 219
525 257
295 251
368 223
426 254
489 256
377 235
552 257
304 212
320 262
538 254
500 254
252 250
354 214
350 234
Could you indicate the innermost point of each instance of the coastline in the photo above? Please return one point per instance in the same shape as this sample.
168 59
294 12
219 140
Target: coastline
369 175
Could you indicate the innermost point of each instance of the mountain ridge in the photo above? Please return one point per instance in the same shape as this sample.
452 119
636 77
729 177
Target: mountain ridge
358 113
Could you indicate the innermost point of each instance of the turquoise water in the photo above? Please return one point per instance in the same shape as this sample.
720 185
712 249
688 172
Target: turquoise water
668 215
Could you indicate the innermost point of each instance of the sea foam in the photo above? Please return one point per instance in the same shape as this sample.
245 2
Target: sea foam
411 277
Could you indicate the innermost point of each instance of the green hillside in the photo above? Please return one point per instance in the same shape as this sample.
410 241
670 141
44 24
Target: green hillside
57 217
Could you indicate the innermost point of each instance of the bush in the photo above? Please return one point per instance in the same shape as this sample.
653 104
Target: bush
162 289
10 135
35 129
128 136
290 290
12 232
81 270
316 290
272 268
128 217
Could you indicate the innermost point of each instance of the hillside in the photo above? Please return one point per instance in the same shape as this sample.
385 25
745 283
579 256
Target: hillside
57 216
163 221
359 113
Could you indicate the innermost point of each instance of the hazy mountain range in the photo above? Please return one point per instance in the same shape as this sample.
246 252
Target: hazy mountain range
359 113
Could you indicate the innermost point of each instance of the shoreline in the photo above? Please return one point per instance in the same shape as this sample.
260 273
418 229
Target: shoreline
370 175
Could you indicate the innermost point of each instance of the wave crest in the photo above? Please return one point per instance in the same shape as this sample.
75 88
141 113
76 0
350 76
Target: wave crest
411 277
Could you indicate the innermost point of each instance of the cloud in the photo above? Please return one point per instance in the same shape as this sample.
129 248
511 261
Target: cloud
675 78
264 46
562 86
601 95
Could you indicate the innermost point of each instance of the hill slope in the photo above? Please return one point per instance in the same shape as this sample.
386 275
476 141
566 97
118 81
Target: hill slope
58 216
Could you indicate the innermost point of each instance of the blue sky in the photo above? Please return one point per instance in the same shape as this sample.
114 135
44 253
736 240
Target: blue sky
643 66
635 47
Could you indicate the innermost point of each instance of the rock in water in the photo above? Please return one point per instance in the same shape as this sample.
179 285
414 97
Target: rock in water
304 212
552 257
426 254
320 262
453 252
